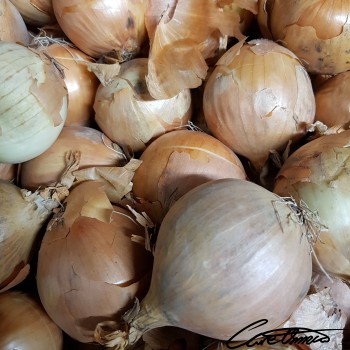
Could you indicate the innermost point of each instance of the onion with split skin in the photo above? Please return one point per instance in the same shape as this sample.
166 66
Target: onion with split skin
128 115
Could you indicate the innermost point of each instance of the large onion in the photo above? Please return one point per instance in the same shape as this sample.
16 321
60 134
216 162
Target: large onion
33 103
318 174
89 266
25 325
258 97
101 26
228 249
127 113
317 31
178 161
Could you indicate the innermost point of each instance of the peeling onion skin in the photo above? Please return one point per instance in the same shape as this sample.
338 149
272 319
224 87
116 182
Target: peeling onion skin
101 26
258 97
89 269
25 325
128 115
317 31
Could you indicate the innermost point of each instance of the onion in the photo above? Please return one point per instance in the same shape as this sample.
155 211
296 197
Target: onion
89 266
81 83
228 248
127 113
25 325
12 25
318 174
33 103
8 172
95 150
317 31
102 26
178 161
258 97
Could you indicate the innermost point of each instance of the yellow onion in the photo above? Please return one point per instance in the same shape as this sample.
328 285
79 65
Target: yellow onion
25 325
89 266
318 174
81 83
35 12
317 31
127 113
178 161
333 100
228 248
12 26
258 97
94 147
101 26
33 103
8 172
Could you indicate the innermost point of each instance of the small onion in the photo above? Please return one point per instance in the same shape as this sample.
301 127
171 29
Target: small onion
228 248
95 150
12 26
101 26
127 113
8 172
89 267
318 174
25 325
178 161
33 103
258 97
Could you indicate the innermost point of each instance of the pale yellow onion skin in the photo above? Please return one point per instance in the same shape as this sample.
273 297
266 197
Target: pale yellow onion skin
33 103
102 26
12 26
318 174
216 257
129 116
25 325
35 12
89 269
316 31
258 97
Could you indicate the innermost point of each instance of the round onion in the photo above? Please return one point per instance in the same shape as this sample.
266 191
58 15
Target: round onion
318 174
102 26
89 266
33 103
8 172
127 113
25 325
12 25
258 97
228 248
178 161
317 31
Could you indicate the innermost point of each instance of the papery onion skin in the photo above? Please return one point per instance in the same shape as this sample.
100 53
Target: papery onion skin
102 26
94 147
258 97
316 31
33 103
318 174
89 268
129 116
25 325
178 161
8 172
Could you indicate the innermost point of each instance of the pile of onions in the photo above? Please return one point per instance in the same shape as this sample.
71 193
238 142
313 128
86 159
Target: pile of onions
127 113
318 174
215 257
8 172
99 27
258 97
33 103
90 267
81 83
25 325
178 161
12 24
317 31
